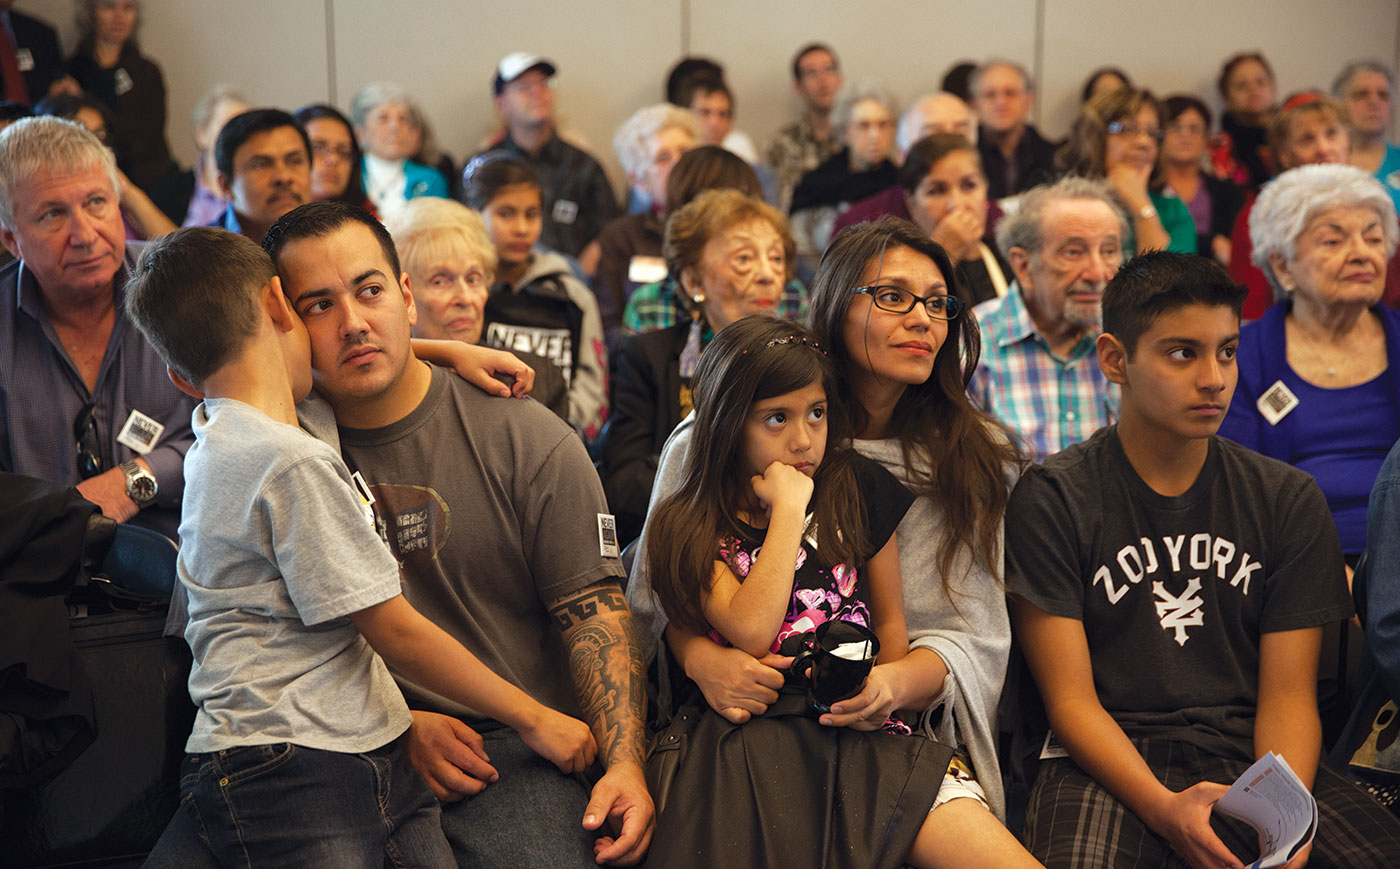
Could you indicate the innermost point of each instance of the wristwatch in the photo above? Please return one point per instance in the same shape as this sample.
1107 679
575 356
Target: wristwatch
140 485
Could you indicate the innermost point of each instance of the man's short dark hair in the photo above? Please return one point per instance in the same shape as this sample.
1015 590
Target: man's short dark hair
320 219
806 50
680 81
194 295
241 128
1148 286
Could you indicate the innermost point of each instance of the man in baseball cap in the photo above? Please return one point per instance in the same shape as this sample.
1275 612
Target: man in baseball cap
574 191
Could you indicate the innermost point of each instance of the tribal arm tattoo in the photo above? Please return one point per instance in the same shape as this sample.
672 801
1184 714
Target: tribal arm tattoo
605 661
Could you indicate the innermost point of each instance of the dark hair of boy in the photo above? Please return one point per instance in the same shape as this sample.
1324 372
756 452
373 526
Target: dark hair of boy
194 295
492 172
749 361
320 219
1148 286
241 128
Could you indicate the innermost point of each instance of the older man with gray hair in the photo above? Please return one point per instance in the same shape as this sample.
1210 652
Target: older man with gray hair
1039 373
1014 154
84 400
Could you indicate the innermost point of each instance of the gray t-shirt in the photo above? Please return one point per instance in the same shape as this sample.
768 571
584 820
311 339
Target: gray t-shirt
276 549
491 507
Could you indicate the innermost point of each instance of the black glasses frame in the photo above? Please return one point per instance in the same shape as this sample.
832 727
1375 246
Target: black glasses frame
938 306
85 424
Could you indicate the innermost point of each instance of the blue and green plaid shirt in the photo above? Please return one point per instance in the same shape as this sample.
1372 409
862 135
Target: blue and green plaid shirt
658 306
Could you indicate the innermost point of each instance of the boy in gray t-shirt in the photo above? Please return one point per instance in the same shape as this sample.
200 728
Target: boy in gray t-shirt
295 757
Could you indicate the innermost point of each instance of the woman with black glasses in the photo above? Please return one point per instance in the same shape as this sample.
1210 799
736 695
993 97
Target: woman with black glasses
1117 136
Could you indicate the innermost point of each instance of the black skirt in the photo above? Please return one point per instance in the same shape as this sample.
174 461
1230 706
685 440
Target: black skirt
782 790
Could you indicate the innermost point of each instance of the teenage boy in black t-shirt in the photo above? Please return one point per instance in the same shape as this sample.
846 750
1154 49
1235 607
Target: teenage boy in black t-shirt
1169 590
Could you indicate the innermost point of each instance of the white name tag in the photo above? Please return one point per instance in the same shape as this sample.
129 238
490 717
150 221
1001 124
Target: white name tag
1052 748
1277 402
366 497
140 433
607 535
646 269
25 58
565 212
122 82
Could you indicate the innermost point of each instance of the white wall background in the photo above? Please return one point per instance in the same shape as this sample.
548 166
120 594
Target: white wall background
613 55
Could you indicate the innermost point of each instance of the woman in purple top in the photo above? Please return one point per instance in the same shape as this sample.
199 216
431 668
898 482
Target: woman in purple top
1319 383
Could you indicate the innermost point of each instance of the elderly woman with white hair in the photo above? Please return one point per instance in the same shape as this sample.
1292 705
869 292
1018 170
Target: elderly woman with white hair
451 263
389 127
627 252
1319 374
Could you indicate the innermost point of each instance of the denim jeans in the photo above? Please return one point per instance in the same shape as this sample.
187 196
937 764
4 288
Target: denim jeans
287 805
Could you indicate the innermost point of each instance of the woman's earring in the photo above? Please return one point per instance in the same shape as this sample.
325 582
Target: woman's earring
698 298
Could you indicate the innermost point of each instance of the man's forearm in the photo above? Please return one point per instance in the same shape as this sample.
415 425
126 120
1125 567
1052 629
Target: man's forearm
609 675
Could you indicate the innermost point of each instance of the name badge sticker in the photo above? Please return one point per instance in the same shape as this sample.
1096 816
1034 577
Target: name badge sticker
1051 748
25 58
646 269
366 496
121 81
1277 402
607 535
140 433
565 211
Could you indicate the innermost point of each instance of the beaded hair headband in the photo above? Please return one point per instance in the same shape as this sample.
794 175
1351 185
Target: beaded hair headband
793 339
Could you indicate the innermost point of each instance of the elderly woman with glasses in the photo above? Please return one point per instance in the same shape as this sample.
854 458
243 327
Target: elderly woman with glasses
1319 383
731 256
885 302
389 127
1116 137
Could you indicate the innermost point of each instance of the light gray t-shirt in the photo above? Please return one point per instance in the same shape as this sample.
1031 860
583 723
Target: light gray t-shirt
491 507
276 549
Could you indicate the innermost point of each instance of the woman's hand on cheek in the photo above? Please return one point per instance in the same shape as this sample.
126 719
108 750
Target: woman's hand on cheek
878 698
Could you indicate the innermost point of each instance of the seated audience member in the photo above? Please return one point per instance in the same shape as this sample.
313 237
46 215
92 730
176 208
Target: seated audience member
143 219
1103 80
84 400
451 265
386 127
279 552
575 195
1319 384
264 160
1241 153
1363 90
935 113
1116 137
1164 691
1038 374
336 158
661 304
804 144
1211 201
109 65
537 304
1014 154
1308 129
908 413
945 193
205 203
732 256
517 576
648 145
697 84
864 117
44 75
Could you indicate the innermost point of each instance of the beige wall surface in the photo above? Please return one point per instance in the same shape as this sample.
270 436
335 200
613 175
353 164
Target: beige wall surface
613 55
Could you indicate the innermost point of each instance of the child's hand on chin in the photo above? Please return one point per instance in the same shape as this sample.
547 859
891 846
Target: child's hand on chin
782 486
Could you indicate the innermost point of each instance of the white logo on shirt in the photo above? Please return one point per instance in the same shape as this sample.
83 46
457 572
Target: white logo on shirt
1177 612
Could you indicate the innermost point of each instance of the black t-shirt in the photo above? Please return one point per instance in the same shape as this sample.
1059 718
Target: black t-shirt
1174 592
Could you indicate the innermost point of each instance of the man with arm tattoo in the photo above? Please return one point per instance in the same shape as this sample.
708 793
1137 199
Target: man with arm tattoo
503 539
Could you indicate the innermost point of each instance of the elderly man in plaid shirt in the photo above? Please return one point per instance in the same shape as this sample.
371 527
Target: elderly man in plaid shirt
1039 372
